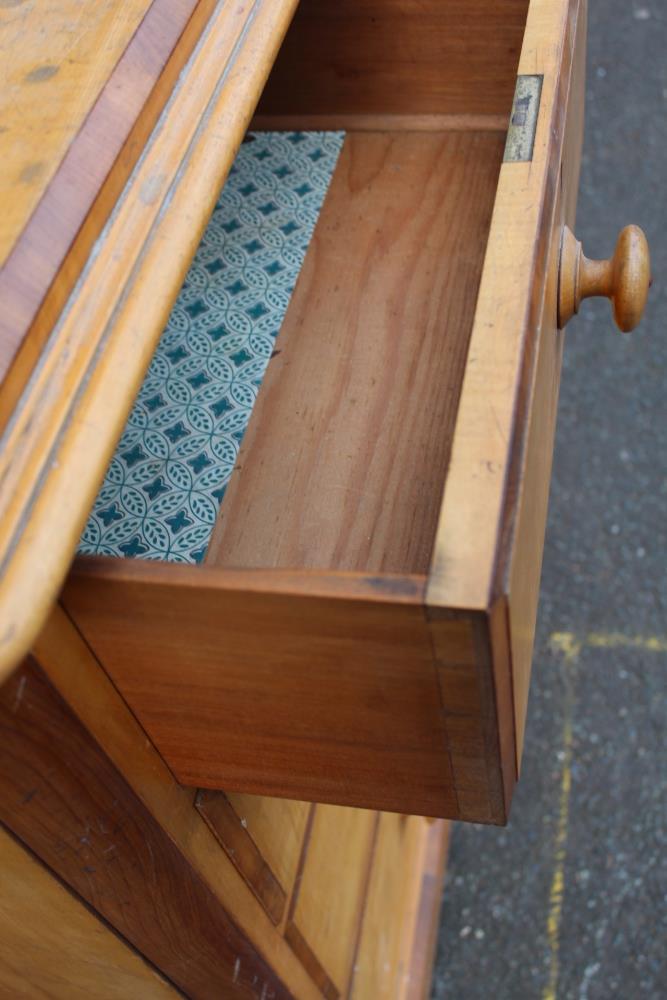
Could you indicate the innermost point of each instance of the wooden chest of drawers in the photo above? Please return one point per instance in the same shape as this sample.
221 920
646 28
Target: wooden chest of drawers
360 632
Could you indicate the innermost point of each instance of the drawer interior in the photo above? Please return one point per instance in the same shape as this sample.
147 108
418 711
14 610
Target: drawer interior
319 420
300 409
315 652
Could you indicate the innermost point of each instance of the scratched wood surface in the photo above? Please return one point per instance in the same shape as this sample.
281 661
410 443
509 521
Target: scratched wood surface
96 703
357 881
61 796
238 841
52 946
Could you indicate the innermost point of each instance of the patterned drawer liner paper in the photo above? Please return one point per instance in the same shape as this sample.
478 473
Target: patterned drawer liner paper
163 488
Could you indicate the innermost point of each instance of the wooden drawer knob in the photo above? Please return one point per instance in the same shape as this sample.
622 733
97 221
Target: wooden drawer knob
624 279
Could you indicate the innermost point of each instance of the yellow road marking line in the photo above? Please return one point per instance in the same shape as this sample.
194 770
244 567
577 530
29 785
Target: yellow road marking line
569 645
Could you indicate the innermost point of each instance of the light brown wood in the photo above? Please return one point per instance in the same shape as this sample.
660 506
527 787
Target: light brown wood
474 678
398 56
241 849
341 706
55 61
382 966
51 945
489 542
343 467
55 242
382 122
55 450
395 954
278 827
343 464
92 697
541 405
474 508
64 799
425 933
336 868
624 279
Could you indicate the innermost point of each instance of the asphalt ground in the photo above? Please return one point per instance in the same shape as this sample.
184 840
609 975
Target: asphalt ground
569 902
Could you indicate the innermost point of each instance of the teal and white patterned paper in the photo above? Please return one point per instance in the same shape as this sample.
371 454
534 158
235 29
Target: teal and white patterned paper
165 483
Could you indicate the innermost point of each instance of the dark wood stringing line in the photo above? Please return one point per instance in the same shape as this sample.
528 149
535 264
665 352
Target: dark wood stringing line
239 846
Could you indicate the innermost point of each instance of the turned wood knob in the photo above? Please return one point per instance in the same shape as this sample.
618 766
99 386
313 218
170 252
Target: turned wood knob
624 279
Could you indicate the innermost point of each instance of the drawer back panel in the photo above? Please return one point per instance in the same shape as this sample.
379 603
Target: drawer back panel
398 57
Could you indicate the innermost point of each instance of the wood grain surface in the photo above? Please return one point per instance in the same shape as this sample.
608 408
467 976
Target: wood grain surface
278 827
343 464
51 945
336 695
51 247
488 546
383 960
56 59
240 847
336 868
398 56
62 796
58 444
97 704
523 559
486 464
395 951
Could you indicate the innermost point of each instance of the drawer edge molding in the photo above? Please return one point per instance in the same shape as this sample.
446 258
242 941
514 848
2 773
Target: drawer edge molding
477 498
78 398
489 544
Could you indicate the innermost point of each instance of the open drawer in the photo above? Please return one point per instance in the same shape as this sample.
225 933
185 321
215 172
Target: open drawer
361 629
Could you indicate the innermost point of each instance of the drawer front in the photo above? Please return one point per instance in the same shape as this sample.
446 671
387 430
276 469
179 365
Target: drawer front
349 676
489 547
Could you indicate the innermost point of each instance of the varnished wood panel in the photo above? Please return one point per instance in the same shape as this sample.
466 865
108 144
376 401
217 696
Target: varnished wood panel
53 245
476 701
327 908
394 955
400 56
481 490
52 946
344 460
277 826
425 932
523 558
337 697
65 800
382 963
240 847
500 467
94 700
56 58
56 448
382 122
